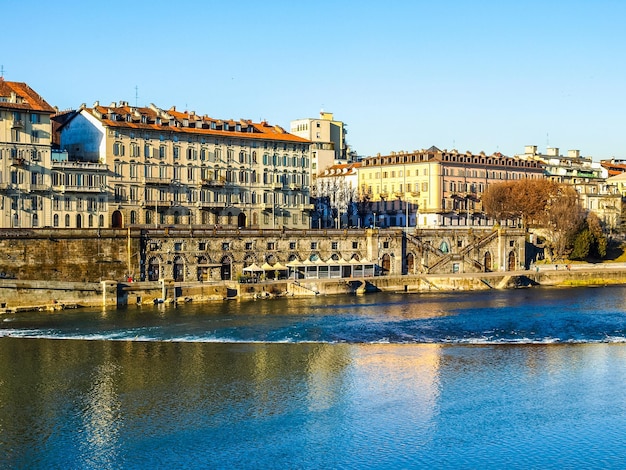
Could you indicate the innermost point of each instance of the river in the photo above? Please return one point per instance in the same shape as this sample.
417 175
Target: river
530 378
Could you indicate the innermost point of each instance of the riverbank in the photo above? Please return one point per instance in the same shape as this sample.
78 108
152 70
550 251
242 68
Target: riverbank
16 295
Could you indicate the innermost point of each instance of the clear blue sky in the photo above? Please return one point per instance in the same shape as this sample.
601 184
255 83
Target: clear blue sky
404 75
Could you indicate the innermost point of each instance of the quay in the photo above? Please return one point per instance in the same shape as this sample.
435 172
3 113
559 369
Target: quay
51 269
50 296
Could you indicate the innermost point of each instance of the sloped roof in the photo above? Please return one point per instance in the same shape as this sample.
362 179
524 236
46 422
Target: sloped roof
18 95
155 119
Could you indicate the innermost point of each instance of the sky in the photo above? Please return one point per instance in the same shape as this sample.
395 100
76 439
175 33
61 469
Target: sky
490 76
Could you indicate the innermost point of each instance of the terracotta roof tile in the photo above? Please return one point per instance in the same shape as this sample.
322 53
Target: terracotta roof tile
173 121
27 98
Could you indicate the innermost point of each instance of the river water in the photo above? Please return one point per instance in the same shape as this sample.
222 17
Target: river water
531 378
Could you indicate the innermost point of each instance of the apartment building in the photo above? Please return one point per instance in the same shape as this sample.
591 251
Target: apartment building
328 137
173 167
25 154
597 192
436 188
337 201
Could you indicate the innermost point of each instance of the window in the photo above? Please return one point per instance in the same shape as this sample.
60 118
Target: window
176 153
118 149
355 245
386 245
292 245
225 246
162 151
248 246
334 245
201 246
314 245
178 246
271 246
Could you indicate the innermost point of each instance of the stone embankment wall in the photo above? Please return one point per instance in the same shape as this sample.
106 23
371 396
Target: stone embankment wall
66 255
51 295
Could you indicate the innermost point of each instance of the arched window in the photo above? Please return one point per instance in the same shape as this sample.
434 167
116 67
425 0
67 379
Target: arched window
444 247
67 220
55 220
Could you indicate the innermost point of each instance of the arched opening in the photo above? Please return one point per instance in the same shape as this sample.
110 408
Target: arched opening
79 221
229 218
67 220
176 218
410 263
255 219
55 220
511 263
241 220
444 247
133 217
225 270
154 269
488 263
179 269
116 219
90 220
148 217
203 269
386 263
100 221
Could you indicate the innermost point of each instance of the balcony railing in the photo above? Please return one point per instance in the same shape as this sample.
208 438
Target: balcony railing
156 180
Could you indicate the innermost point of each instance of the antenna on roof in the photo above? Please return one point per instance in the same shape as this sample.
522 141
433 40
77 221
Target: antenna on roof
136 96
1 72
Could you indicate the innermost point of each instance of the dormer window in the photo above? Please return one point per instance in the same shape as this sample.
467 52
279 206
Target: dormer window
144 119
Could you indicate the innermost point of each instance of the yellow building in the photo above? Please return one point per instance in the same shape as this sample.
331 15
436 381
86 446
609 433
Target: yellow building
25 157
172 167
436 188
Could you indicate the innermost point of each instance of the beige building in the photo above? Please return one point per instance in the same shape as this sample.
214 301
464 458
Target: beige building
329 140
25 157
436 188
172 167
590 179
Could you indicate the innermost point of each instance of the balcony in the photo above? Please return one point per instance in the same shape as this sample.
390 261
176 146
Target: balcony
17 124
415 194
213 183
17 161
306 207
210 205
38 188
74 165
79 189
156 181
295 187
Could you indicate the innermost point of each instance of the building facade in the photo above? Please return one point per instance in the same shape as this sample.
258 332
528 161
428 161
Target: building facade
25 157
172 167
329 140
590 180
436 188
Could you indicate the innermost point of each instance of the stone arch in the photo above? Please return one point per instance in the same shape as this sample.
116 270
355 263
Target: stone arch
488 262
511 261
178 269
249 260
202 271
154 269
226 268
241 220
117 220
386 263
410 263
